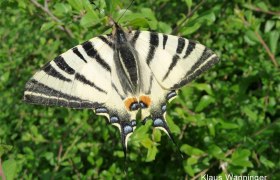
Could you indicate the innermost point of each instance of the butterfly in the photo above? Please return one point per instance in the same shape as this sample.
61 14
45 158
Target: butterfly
119 74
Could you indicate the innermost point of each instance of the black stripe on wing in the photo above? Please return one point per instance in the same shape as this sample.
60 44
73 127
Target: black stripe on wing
50 70
105 40
197 69
92 52
42 94
150 85
60 62
172 65
165 37
180 46
154 42
84 80
134 38
37 87
78 53
190 48
118 92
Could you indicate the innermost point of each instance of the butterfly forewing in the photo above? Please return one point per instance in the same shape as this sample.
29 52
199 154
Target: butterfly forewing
78 78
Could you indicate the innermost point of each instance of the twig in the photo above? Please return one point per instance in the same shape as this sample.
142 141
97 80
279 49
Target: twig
183 130
59 152
45 8
261 40
200 174
61 157
253 8
188 15
272 57
2 175
75 168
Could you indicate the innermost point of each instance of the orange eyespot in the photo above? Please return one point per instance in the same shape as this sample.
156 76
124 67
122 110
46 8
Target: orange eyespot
146 100
131 103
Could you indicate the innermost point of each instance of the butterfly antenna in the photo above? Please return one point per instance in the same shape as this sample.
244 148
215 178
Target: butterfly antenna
125 11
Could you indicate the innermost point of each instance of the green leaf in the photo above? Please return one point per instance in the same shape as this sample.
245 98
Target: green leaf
89 19
250 37
251 114
211 128
76 4
203 87
47 26
241 158
151 155
164 28
10 168
192 160
189 3
5 148
189 170
139 22
273 41
147 143
206 17
148 14
172 126
190 29
262 5
266 162
268 26
61 9
216 151
141 133
228 125
204 102
157 135
189 150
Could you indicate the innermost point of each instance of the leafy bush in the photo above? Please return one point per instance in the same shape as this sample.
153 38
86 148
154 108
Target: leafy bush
225 122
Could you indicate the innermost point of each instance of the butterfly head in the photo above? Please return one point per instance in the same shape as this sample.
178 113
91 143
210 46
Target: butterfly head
118 34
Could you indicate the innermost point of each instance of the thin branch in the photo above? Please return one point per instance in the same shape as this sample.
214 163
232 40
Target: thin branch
45 8
261 40
75 168
59 152
253 8
204 171
270 54
182 131
188 15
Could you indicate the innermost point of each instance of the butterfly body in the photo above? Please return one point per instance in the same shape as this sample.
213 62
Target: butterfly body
118 74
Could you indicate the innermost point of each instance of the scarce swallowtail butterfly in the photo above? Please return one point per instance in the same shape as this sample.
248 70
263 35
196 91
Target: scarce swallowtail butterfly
119 74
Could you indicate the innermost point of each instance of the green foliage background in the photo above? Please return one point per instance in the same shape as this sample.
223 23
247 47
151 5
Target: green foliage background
227 121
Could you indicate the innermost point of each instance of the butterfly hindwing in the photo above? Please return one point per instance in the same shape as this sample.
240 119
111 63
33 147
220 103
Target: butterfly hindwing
167 63
78 78
174 61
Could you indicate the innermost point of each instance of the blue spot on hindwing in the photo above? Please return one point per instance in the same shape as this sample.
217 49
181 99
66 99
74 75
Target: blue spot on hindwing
158 122
127 129
114 119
